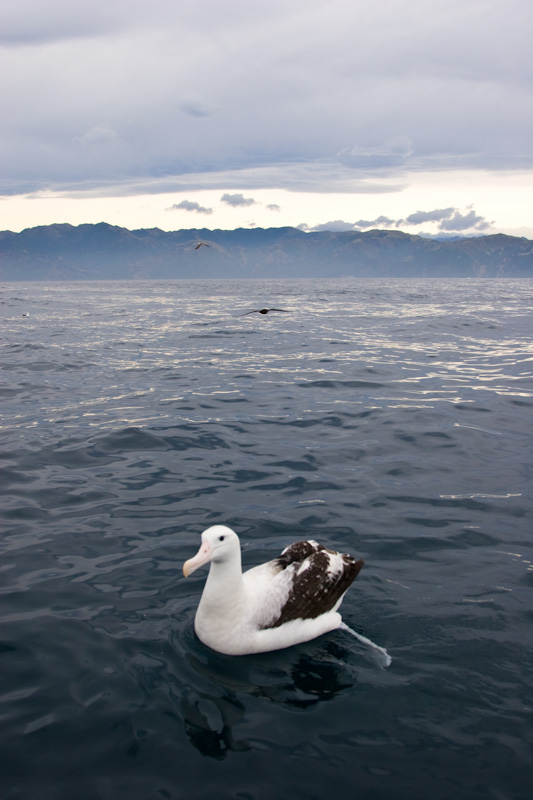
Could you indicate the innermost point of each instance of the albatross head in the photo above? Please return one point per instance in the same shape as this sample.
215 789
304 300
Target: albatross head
219 543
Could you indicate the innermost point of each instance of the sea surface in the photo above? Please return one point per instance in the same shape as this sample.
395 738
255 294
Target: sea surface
389 419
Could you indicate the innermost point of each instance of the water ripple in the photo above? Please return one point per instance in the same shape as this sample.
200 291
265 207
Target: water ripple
390 421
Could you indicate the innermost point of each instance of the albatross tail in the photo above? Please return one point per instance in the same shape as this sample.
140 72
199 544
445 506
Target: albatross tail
387 660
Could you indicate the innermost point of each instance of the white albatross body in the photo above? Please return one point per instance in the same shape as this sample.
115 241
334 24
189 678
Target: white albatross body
280 603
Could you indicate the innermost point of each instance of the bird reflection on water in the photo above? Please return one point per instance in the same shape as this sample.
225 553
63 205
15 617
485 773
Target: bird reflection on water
211 741
211 715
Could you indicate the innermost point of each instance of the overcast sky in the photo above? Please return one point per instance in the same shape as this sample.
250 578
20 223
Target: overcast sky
337 114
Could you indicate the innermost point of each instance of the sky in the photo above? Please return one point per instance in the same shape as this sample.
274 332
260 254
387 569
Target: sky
318 114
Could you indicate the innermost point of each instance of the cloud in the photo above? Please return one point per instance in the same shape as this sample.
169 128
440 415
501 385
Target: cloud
397 146
449 220
334 225
318 177
462 222
237 200
273 207
194 109
420 217
361 224
379 222
99 135
393 152
24 24
190 205
419 93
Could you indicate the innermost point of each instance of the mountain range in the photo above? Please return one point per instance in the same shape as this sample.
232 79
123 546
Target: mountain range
103 252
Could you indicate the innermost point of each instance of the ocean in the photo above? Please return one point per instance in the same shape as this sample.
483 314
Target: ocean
388 419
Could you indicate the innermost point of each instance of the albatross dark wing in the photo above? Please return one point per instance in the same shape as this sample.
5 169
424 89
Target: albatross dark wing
321 577
265 311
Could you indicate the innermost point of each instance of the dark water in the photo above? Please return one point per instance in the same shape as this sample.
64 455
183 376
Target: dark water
392 421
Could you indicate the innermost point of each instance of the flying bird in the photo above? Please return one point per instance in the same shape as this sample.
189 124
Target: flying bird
265 311
287 601
200 245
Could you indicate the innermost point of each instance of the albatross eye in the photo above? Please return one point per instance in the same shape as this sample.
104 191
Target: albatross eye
221 538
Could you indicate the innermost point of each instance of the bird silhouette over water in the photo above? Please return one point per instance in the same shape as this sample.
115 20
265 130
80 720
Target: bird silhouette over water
265 311
200 244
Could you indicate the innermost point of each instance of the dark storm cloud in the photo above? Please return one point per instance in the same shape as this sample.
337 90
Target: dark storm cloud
190 205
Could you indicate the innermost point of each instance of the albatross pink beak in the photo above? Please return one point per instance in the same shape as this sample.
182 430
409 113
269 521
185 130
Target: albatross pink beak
202 557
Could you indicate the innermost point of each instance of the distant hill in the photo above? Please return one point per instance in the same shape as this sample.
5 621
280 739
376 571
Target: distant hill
101 252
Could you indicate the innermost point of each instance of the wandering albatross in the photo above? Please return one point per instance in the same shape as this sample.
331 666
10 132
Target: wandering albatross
265 311
280 603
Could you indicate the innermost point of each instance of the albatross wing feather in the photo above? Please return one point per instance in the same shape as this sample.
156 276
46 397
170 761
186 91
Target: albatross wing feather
320 578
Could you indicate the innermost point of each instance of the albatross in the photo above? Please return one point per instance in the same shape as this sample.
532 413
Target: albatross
283 602
265 311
